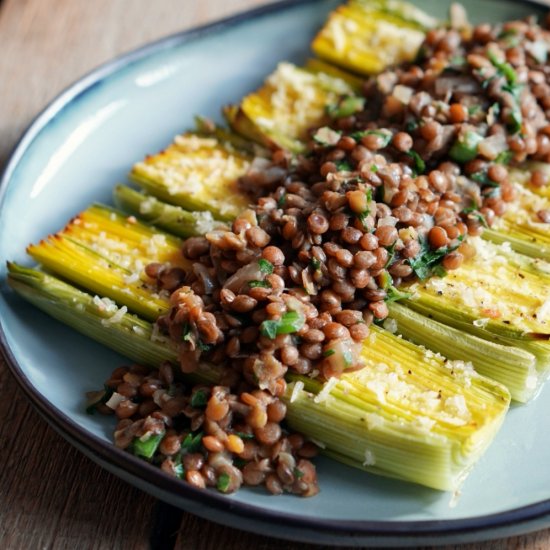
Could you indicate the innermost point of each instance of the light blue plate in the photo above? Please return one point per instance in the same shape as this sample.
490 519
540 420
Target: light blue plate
82 145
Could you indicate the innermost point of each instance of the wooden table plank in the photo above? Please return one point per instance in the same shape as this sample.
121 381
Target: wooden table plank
51 496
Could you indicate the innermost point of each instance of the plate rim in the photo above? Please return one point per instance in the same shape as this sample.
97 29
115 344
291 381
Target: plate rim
139 469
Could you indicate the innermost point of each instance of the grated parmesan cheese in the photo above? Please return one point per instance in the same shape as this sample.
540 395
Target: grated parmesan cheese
370 458
298 387
116 317
327 388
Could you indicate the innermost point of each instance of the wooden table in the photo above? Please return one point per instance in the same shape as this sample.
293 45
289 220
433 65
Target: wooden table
51 496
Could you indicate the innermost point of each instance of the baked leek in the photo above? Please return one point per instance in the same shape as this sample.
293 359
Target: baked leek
411 417
105 252
173 219
365 37
196 172
292 101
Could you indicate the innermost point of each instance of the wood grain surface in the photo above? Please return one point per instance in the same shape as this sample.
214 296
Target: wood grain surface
51 496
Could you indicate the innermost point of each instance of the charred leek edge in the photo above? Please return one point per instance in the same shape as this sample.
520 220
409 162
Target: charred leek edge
366 37
103 252
433 441
420 419
509 365
196 172
499 291
173 219
292 101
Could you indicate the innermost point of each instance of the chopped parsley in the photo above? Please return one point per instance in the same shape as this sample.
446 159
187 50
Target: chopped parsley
505 157
343 166
315 264
386 136
474 211
464 149
199 399
192 442
428 262
347 106
419 164
483 178
290 322
259 284
265 266
224 481
393 294
147 448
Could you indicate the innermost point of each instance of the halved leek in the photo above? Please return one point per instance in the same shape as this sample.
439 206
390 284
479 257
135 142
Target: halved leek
292 101
365 37
103 251
196 172
411 417
173 219
510 365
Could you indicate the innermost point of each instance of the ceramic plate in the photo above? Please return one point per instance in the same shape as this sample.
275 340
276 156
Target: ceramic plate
83 144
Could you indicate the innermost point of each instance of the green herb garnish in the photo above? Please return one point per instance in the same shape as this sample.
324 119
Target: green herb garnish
199 399
290 322
343 166
412 125
464 148
315 264
192 442
503 67
419 164
346 107
244 435
393 294
427 262
265 266
386 136
505 157
474 109
224 481
259 284
147 448
483 178
474 211
347 356
202 346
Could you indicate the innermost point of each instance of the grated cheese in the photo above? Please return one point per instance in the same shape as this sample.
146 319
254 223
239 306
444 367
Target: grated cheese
298 387
327 388
370 458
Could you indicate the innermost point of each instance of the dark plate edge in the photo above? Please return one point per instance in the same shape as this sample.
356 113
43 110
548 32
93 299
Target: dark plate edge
533 516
